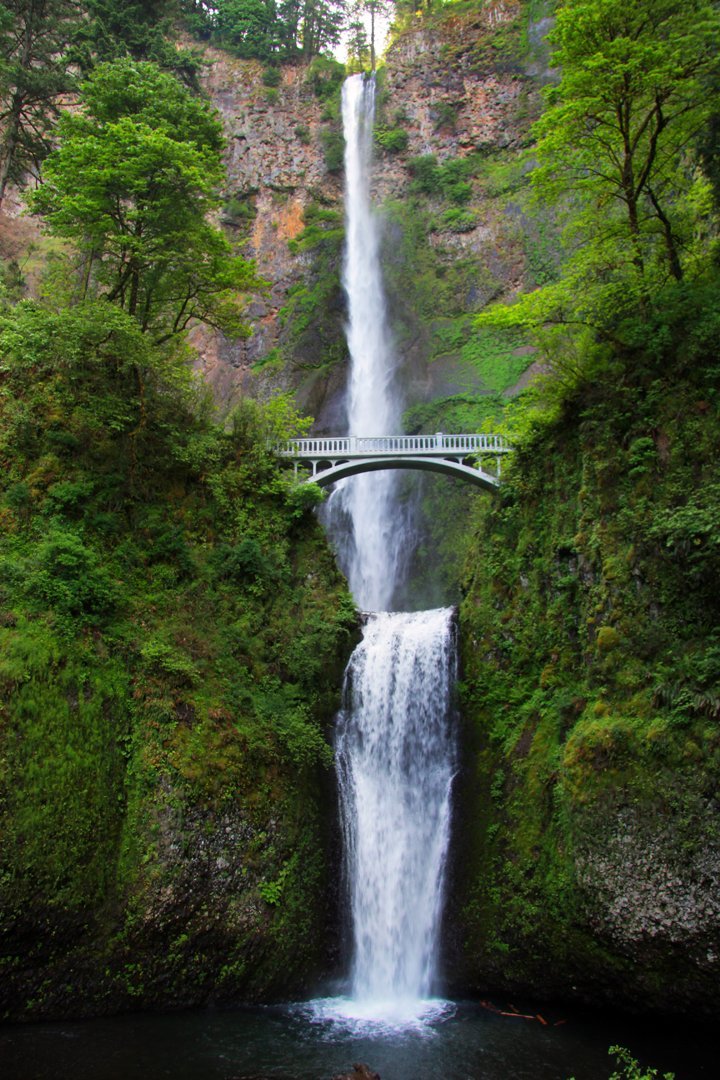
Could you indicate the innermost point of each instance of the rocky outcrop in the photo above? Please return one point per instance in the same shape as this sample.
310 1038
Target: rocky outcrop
647 888
449 96
275 169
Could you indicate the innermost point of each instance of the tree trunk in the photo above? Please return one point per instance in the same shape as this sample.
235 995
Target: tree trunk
9 146
12 132
372 36
670 245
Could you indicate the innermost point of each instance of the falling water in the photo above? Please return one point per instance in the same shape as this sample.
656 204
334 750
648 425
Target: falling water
395 741
363 513
395 766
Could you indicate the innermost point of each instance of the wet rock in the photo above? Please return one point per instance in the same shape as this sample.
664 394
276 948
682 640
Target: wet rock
359 1072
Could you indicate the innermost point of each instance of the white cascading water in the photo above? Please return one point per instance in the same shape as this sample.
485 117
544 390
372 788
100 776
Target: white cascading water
363 515
395 740
395 760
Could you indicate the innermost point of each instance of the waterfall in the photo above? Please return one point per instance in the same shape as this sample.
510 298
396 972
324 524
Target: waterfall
363 514
394 737
395 754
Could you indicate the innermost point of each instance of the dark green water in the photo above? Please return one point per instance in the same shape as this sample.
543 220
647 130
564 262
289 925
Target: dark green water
461 1041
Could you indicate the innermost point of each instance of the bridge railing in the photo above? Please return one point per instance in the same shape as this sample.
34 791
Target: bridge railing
362 446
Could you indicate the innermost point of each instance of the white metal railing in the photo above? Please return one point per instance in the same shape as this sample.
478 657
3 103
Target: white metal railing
350 446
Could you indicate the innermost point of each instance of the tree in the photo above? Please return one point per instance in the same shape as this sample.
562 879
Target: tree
323 22
269 29
137 28
616 154
248 27
358 46
375 9
630 103
131 184
34 61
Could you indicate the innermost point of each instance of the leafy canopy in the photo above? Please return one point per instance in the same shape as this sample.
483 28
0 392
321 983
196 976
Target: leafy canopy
616 152
269 29
34 72
131 184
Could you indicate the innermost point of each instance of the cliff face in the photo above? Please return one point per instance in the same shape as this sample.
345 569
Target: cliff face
461 92
173 632
275 169
589 825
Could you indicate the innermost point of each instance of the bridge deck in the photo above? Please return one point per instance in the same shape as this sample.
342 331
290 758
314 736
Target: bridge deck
357 446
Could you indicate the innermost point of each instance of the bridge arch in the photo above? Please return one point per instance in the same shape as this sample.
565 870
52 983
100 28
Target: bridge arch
339 470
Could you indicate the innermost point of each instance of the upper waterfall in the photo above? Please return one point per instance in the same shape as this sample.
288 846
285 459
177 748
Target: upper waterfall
363 514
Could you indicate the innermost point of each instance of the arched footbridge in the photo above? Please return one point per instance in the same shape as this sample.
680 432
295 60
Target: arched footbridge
476 458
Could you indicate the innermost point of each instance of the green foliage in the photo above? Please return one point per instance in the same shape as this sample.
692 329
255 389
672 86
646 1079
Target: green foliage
393 140
445 115
591 655
248 28
325 76
616 148
323 229
272 76
448 180
168 661
334 150
67 576
140 29
456 220
313 333
631 1069
263 30
239 212
499 357
131 184
172 636
35 70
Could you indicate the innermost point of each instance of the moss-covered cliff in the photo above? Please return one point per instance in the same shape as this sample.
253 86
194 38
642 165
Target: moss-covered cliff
173 632
590 833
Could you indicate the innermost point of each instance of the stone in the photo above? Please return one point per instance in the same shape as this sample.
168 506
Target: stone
359 1072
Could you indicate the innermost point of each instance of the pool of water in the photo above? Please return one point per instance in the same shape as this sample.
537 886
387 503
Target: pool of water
316 1040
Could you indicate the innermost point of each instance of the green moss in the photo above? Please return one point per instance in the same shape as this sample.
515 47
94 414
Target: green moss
173 631
590 660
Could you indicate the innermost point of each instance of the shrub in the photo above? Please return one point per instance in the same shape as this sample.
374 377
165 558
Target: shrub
272 76
325 76
334 148
69 577
391 140
457 220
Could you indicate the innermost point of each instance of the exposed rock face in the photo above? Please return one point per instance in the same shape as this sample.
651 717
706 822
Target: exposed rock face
276 167
451 101
645 888
265 151
452 96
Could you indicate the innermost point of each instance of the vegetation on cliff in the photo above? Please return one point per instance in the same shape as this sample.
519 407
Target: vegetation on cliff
172 627
590 622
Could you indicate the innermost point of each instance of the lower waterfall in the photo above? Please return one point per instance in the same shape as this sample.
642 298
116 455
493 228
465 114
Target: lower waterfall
396 758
